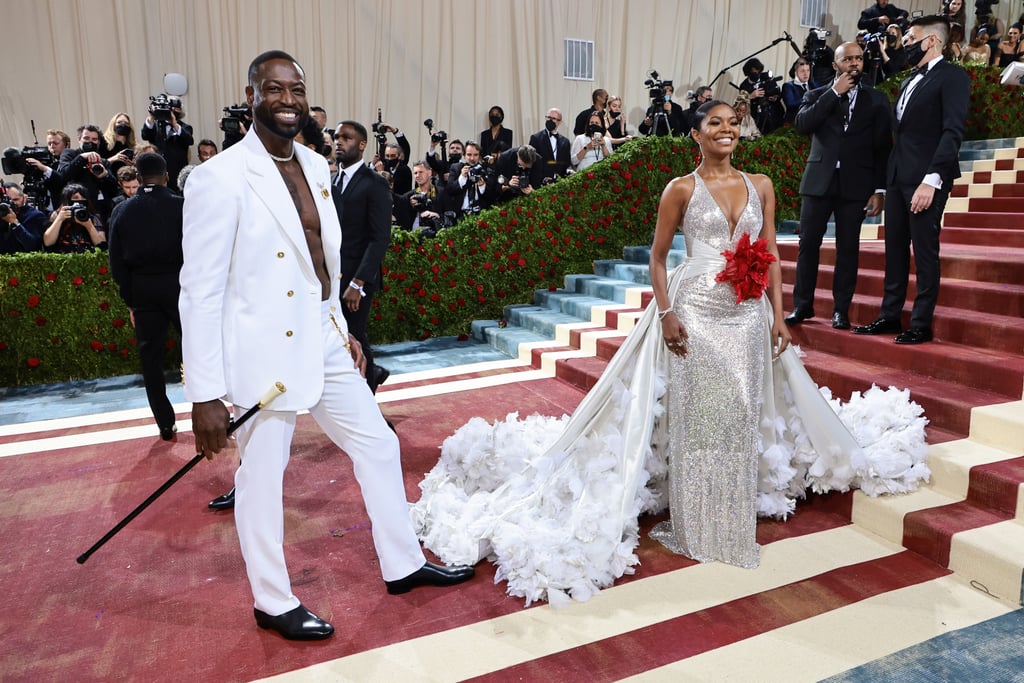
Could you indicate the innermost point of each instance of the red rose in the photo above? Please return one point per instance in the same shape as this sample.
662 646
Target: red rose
3 346
13 313
77 282
51 277
463 337
102 270
33 362
40 320
96 345
104 306
124 353
118 322
13 281
33 301
54 341
112 347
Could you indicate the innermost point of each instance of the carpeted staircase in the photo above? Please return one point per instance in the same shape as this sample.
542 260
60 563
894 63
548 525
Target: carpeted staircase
970 380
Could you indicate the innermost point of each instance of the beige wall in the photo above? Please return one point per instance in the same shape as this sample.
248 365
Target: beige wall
66 62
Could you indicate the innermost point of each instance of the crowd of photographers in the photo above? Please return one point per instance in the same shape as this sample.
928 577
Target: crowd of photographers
70 187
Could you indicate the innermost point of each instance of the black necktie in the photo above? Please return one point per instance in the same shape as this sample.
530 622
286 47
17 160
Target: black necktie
844 108
919 70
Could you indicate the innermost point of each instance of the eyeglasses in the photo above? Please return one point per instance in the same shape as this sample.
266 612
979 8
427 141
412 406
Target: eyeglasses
552 118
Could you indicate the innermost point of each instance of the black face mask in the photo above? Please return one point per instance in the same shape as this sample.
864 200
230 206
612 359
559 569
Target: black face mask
594 129
122 129
914 53
550 125
455 158
496 119
391 164
89 147
616 114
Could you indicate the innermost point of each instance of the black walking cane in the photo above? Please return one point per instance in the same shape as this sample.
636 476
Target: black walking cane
274 392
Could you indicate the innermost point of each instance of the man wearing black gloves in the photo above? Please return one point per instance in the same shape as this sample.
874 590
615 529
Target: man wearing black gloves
145 260
363 200
21 224
852 135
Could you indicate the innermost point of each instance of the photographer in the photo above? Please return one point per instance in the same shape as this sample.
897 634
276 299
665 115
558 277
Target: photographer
879 16
766 106
396 156
467 183
234 123
700 96
894 58
118 143
819 55
86 168
165 128
663 106
75 226
21 224
56 142
513 170
591 146
422 207
455 152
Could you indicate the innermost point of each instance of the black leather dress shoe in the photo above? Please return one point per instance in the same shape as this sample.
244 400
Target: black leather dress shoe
915 335
380 375
880 326
798 316
296 624
225 502
840 321
431 575
167 433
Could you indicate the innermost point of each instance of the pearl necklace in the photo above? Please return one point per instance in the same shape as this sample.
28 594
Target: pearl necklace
284 159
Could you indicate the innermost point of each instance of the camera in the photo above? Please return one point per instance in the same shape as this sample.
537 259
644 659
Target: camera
656 87
129 154
160 107
423 202
15 160
79 211
235 117
97 169
477 172
524 180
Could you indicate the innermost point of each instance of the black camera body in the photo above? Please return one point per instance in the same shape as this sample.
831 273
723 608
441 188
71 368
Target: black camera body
160 107
656 88
234 117
15 160
79 211
478 172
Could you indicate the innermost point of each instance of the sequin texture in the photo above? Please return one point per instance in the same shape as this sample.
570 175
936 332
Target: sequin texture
714 400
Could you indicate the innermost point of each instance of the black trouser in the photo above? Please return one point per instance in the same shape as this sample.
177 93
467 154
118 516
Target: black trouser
903 228
814 214
357 321
156 307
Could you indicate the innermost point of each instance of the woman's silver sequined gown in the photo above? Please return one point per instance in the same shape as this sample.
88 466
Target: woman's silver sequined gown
714 399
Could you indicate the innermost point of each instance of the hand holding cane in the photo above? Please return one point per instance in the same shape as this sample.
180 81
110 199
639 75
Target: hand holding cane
273 393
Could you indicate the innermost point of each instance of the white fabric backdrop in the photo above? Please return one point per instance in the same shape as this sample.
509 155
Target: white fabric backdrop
67 62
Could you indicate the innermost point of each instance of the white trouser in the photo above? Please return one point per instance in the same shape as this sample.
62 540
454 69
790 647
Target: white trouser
348 414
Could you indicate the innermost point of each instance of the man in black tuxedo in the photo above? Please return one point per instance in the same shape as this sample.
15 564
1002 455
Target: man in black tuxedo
145 260
931 114
465 195
553 148
363 200
852 137
172 137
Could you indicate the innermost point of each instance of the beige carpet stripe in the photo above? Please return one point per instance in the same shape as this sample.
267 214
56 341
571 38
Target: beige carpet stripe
841 639
529 634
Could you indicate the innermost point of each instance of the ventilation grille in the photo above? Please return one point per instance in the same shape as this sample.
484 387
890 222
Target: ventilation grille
579 60
812 13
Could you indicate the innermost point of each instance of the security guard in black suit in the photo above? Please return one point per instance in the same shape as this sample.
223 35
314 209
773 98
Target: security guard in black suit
144 239
851 126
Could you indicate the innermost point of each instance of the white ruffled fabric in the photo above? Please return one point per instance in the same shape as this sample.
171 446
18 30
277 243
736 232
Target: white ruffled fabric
555 503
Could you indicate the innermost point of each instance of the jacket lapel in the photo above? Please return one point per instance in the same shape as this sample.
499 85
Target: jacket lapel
266 182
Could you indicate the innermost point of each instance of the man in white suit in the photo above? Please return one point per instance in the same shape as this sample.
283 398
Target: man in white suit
260 304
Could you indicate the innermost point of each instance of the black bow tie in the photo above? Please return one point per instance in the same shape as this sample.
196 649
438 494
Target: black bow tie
919 70
554 135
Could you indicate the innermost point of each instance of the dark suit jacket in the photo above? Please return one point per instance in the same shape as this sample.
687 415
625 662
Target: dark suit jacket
487 141
862 150
364 209
549 165
929 135
74 169
144 238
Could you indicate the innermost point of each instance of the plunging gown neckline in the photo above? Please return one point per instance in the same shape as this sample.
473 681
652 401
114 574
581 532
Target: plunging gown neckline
729 223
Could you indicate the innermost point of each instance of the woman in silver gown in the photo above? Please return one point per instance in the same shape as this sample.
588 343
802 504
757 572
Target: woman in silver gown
716 371
703 409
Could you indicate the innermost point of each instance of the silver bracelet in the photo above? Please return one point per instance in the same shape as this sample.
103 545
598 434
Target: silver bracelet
662 314
358 288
